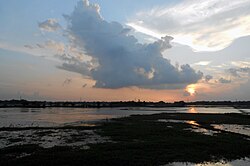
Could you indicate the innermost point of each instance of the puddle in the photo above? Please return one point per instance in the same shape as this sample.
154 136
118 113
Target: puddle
171 121
240 162
240 129
195 126
85 124
48 138
203 131
191 122
23 155
245 111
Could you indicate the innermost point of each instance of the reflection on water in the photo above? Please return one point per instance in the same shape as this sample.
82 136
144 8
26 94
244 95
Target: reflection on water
171 121
25 117
44 117
241 129
192 110
192 122
195 127
216 110
245 111
240 162
203 130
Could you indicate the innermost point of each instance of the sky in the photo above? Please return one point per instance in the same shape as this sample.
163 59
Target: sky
150 50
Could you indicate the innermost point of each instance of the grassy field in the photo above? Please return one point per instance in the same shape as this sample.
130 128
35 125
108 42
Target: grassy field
142 140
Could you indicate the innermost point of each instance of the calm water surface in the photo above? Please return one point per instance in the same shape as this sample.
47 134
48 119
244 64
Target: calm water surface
26 117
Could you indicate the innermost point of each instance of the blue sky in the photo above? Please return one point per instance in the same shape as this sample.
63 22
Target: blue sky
40 49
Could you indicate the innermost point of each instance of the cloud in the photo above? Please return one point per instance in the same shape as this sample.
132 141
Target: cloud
84 85
241 64
67 81
186 93
202 63
117 58
28 46
228 63
208 78
77 67
238 72
233 72
224 81
57 46
49 25
205 25
40 45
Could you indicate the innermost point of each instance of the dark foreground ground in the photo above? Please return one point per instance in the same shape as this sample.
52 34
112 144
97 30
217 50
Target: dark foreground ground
141 140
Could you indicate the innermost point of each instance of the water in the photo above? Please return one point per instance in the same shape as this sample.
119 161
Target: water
44 117
239 162
240 129
195 127
50 117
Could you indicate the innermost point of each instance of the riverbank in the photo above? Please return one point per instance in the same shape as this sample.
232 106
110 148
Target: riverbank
136 140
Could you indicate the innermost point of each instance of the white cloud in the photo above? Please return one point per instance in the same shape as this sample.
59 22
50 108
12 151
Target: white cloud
145 30
57 47
205 25
241 64
202 63
49 25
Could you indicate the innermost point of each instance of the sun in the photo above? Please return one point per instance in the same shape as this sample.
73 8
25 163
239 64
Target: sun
191 89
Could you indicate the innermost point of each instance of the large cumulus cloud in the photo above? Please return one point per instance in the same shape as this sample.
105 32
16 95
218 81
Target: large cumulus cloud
117 58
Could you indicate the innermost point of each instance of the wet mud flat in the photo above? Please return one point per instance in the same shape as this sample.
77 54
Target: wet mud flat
158 139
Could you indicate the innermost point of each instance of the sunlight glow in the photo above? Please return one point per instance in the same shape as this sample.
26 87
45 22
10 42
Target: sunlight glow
145 30
192 110
192 122
191 89
178 38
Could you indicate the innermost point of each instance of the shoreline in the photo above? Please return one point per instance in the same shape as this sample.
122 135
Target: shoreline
117 104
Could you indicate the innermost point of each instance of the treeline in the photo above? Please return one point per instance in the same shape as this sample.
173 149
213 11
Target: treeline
98 104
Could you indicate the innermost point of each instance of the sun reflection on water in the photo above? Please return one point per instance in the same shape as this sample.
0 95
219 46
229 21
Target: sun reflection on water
192 122
192 110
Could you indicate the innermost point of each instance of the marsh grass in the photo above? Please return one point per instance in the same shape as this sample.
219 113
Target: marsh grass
142 140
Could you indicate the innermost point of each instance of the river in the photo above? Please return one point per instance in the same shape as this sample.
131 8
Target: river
47 117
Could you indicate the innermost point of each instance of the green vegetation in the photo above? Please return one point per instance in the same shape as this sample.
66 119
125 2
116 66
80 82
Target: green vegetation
142 140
